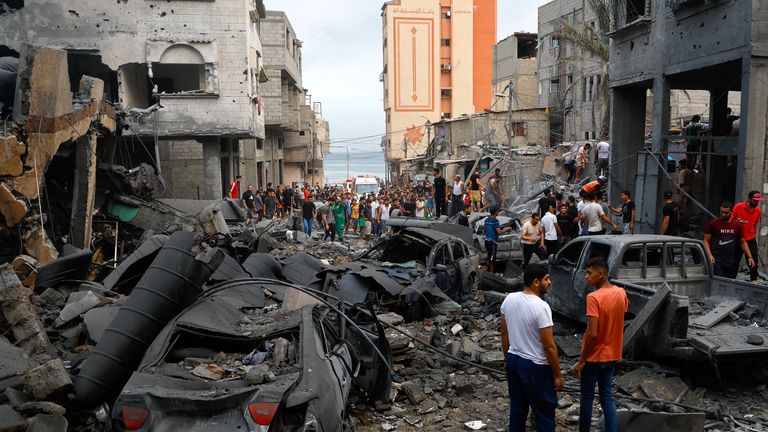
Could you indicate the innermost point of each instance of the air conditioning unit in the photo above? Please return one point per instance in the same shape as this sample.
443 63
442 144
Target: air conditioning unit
445 66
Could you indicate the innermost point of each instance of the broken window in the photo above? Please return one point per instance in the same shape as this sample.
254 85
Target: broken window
177 78
635 10
458 252
519 129
554 42
446 93
8 6
445 42
570 255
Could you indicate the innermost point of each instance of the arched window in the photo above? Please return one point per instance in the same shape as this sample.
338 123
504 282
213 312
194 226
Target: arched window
181 69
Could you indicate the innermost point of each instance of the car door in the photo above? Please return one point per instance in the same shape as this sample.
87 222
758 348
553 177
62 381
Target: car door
446 275
462 263
567 279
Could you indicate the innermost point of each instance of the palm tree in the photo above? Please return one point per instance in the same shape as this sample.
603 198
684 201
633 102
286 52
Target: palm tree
593 43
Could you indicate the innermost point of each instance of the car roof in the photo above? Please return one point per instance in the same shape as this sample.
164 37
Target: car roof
431 234
627 240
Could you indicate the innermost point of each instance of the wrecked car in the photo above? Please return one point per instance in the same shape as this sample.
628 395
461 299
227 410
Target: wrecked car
646 264
397 223
255 355
509 246
419 269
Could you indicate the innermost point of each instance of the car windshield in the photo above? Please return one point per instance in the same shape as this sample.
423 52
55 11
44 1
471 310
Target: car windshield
366 188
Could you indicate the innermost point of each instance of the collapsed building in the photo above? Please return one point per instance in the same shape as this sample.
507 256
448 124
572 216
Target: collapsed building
664 46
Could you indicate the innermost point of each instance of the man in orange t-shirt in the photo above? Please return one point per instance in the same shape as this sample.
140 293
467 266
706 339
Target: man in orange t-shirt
602 344
747 213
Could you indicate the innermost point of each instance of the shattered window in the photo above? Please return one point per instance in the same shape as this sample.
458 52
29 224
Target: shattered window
442 257
458 252
599 250
569 256
178 78
633 257
690 256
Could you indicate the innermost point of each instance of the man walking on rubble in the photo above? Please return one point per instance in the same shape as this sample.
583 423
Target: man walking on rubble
532 366
747 214
249 202
234 188
602 344
308 213
328 222
723 237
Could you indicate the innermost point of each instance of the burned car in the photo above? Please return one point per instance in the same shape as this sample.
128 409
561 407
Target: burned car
509 247
415 272
255 355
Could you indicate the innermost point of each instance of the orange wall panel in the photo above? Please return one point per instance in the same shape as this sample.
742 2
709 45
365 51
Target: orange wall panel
445 80
484 38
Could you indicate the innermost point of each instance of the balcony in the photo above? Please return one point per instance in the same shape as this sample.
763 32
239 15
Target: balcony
631 14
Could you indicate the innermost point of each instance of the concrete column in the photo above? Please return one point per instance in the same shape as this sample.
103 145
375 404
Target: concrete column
661 113
718 114
211 169
627 138
752 128
84 191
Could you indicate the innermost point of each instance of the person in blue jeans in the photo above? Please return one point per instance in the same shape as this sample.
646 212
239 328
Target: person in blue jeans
602 344
308 214
532 366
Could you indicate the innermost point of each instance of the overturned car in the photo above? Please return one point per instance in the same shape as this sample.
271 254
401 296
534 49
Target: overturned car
256 355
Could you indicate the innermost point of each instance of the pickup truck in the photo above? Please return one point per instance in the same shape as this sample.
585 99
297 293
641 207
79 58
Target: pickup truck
641 264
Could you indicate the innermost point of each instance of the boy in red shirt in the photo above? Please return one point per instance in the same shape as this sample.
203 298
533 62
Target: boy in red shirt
602 344
747 214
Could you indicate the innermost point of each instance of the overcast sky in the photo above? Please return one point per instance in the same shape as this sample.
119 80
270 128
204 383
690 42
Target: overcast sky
343 58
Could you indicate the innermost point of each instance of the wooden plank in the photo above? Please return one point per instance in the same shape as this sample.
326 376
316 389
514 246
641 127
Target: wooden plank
722 310
654 304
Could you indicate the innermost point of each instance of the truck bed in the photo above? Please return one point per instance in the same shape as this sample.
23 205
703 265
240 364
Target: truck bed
726 339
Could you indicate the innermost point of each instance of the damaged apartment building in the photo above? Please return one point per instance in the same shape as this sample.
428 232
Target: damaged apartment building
663 46
117 106
198 89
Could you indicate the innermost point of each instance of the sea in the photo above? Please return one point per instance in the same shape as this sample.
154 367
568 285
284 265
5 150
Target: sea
360 162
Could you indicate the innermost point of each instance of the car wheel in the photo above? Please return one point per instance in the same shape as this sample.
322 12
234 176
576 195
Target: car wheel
311 424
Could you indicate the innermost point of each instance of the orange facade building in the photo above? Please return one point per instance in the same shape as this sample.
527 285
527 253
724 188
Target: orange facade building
438 58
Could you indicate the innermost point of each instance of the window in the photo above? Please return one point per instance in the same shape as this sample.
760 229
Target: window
569 256
287 39
569 80
554 42
442 257
280 142
519 129
178 78
446 115
599 250
692 256
259 144
446 15
586 135
553 85
633 257
541 88
445 42
458 252
446 93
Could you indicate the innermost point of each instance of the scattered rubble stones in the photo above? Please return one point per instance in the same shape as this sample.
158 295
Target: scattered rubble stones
10 420
47 380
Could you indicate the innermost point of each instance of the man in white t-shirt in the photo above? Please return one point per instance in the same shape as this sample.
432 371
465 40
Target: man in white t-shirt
532 239
532 366
552 232
602 153
594 216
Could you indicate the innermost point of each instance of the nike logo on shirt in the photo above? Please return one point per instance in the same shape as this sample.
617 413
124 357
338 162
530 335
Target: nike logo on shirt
722 243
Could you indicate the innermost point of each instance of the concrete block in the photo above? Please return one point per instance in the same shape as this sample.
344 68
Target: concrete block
10 420
47 380
39 247
13 360
77 304
16 308
10 156
13 209
47 423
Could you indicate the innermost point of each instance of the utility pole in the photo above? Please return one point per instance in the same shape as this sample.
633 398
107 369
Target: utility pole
510 87
312 153
405 148
347 162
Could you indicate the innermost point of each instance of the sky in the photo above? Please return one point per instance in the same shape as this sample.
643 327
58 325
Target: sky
343 59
